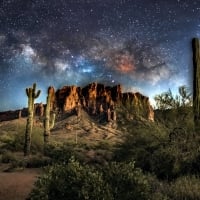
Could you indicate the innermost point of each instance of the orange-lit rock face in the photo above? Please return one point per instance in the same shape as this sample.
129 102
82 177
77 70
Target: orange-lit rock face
92 92
97 98
140 104
151 114
69 97
116 93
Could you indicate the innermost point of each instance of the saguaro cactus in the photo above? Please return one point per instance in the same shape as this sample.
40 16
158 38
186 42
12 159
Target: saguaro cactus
196 83
32 95
49 117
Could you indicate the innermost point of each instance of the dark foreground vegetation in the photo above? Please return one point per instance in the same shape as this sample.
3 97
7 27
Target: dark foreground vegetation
159 160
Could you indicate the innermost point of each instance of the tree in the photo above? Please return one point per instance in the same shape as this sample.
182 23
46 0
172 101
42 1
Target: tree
32 95
167 100
185 96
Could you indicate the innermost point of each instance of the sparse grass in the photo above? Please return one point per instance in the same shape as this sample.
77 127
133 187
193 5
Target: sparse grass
186 187
12 144
12 137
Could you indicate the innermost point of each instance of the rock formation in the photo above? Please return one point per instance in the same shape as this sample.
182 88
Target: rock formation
139 103
39 109
97 98
67 97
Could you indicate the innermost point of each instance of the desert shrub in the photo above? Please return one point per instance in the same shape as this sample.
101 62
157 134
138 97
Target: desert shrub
127 181
158 188
131 150
8 157
71 181
37 161
152 149
182 188
5 138
164 165
186 187
15 141
139 145
181 117
59 153
175 159
37 144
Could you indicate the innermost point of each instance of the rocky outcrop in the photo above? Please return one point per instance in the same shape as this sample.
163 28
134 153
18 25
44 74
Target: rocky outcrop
39 109
140 104
97 98
67 97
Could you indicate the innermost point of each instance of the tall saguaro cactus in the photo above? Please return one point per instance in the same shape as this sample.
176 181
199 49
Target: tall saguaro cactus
196 83
49 118
32 95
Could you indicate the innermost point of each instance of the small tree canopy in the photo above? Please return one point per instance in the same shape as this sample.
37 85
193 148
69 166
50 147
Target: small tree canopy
167 100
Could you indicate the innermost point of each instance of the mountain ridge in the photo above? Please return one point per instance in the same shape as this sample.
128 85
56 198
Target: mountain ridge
95 98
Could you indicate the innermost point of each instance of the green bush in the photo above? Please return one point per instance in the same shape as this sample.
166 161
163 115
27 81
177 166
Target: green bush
71 181
36 161
78 182
164 165
59 153
127 181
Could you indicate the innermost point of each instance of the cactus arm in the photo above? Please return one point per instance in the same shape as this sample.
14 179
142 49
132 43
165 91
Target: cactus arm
34 87
37 94
27 92
52 123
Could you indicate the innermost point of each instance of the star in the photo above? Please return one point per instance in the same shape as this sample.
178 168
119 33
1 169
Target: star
142 45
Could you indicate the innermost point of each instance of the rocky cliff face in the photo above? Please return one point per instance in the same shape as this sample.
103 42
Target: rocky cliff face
97 98
67 97
140 104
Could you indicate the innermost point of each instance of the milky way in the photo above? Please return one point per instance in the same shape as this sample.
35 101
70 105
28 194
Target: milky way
143 44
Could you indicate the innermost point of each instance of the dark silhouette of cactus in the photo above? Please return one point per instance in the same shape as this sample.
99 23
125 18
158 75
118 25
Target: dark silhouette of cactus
32 95
196 83
49 115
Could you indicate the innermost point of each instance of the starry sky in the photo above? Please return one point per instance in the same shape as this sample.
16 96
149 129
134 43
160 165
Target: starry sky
145 45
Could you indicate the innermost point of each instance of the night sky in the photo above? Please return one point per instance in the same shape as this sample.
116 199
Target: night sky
143 44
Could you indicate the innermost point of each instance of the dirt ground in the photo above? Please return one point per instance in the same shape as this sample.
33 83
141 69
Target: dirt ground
17 185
